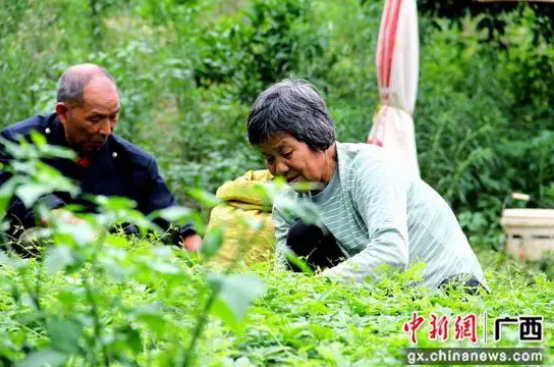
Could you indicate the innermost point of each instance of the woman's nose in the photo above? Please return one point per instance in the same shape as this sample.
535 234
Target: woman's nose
281 168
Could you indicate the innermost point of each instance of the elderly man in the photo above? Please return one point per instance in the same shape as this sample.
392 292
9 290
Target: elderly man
87 111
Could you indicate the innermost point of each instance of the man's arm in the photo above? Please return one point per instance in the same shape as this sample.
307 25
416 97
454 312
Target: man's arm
17 212
157 196
380 198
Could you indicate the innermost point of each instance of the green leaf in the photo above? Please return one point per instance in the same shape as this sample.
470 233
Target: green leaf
127 338
52 151
153 319
64 335
82 233
12 261
114 203
176 214
212 242
134 341
53 179
164 268
307 186
29 193
57 258
7 191
45 357
38 138
295 209
4 259
24 167
235 293
205 198
301 264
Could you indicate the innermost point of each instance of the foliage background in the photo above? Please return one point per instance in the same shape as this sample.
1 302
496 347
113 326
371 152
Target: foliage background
188 71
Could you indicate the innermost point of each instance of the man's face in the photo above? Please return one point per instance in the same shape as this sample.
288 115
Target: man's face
87 126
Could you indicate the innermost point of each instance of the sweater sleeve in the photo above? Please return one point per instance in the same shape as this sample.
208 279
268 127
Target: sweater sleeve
282 226
380 197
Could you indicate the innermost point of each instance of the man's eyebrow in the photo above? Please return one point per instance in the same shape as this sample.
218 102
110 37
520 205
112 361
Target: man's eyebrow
98 113
94 115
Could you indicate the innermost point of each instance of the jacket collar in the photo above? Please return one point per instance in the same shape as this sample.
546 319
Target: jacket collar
56 136
54 132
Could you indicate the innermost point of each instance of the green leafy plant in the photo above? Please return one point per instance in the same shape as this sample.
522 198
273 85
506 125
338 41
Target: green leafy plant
75 318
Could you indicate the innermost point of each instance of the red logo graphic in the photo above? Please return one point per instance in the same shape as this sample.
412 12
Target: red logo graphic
439 327
466 328
412 326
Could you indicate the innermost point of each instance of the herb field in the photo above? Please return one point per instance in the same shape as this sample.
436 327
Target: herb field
188 72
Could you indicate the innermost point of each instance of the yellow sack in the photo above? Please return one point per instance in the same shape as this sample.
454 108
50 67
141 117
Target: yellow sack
245 204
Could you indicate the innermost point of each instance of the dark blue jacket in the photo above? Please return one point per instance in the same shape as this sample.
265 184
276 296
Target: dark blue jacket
119 168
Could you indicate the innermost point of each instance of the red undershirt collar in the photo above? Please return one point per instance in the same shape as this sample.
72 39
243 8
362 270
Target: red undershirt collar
84 162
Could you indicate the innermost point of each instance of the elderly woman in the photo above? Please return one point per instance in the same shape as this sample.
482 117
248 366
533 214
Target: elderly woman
372 213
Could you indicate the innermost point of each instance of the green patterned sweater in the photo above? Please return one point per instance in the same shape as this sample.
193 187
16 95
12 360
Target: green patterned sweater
379 215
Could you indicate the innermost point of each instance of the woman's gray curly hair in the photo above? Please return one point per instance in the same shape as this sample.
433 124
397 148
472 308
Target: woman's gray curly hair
293 107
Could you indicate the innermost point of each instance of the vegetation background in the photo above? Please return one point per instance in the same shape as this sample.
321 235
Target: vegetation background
188 72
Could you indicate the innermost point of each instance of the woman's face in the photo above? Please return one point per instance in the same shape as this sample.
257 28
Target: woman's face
285 156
